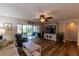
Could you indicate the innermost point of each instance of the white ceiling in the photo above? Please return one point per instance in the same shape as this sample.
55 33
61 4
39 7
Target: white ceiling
29 11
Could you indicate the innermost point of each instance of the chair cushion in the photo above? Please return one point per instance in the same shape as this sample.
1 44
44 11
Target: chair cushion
18 36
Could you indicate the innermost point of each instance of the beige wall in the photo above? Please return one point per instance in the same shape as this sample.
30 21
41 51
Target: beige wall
14 22
62 26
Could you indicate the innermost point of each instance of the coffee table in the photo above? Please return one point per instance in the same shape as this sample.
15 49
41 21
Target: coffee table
31 47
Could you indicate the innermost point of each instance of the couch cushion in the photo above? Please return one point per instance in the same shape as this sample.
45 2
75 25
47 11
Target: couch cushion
4 43
10 50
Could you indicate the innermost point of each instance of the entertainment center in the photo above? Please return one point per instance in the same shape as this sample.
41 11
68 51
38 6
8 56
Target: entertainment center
50 32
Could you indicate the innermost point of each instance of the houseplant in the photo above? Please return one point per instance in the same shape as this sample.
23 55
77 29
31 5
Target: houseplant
60 36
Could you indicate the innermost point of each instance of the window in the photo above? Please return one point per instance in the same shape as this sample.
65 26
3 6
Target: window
24 29
35 28
27 29
19 28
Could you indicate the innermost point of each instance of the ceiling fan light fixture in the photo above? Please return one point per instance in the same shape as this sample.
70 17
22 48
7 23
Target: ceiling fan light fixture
42 20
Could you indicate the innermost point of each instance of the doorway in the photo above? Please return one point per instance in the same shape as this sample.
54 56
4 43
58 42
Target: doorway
71 31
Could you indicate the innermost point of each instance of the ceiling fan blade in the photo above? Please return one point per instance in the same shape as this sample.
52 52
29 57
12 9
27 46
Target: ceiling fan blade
46 20
49 17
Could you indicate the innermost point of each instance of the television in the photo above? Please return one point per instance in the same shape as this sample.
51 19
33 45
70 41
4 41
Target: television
50 29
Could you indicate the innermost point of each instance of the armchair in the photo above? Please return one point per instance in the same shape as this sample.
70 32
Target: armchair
20 40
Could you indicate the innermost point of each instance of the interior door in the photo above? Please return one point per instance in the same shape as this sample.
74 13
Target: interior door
71 31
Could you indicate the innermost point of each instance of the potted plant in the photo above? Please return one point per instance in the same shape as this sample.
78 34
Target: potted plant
60 36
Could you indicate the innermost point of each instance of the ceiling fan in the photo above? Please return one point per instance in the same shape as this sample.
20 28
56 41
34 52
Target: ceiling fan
43 18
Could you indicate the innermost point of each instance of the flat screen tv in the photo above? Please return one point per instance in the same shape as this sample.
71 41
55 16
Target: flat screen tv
50 29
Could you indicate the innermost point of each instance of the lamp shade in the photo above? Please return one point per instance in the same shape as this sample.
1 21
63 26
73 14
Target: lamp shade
2 31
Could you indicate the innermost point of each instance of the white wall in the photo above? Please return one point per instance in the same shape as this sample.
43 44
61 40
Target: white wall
62 26
14 22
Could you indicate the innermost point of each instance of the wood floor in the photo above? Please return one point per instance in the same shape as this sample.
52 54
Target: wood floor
51 48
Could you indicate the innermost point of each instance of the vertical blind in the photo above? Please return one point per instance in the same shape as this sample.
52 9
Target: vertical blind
27 29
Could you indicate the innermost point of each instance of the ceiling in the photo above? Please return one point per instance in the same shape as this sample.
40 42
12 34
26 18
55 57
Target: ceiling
30 11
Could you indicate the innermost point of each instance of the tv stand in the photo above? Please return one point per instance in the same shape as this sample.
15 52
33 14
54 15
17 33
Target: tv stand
50 31
51 37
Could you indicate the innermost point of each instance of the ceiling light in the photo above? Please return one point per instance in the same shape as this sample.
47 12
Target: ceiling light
42 19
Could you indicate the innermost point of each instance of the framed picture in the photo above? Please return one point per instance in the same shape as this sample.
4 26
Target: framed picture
8 26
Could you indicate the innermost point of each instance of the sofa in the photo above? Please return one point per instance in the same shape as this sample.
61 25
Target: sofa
9 50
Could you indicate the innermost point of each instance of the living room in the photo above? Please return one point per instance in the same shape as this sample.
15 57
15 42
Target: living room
39 29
